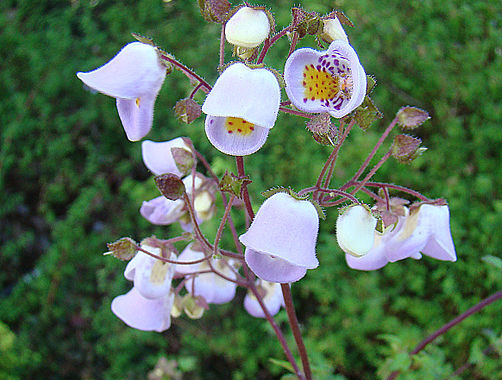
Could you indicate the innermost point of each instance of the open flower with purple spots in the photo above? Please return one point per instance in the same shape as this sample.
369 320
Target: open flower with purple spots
326 81
147 306
280 243
271 293
425 230
210 286
134 76
241 109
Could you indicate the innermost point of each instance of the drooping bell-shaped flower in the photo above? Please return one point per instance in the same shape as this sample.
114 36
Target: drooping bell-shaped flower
326 81
134 77
212 287
158 156
425 230
272 298
355 230
241 109
280 243
247 28
147 306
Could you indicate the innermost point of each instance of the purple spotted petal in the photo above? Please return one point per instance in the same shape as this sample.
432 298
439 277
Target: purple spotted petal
142 313
273 269
158 156
162 211
251 94
234 144
285 228
329 81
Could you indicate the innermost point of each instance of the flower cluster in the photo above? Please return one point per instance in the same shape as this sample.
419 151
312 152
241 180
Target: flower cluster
331 90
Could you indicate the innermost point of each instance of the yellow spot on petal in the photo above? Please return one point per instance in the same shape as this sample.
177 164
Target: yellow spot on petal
238 126
159 271
137 102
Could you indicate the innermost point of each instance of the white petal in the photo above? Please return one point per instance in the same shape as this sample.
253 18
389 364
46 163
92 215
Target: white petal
153 277
248 27
251 94
355 230
234 144
135 71
158 156
142 313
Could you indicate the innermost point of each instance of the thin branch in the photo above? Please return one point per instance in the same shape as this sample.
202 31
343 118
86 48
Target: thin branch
455 321
295 327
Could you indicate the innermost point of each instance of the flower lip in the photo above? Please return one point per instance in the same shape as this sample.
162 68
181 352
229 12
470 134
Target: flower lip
250 94
233 142
331 81
273 269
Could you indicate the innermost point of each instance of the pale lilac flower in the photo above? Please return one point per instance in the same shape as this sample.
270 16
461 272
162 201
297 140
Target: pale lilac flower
272 298
241 109
163 211
212 287
247 27
326 81
147 306
425 230
158 156
355 230
280 243
134 76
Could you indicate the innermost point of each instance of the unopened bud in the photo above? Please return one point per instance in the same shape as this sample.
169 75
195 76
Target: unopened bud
187 110
355 230
323 130
214 10
248 27
332 30
406 148
123 249
183 159
411 117
170 185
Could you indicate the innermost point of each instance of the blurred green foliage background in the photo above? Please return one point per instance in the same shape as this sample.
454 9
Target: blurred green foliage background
70 182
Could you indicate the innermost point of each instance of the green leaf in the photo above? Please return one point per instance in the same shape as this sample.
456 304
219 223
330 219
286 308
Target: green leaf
282 363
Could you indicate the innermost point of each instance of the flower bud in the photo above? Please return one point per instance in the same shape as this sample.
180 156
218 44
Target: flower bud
411 117
170 185
123 249
333 30
248 27
355 230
